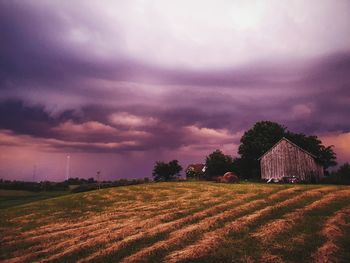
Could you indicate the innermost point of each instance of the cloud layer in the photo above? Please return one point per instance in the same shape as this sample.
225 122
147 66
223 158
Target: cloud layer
123 84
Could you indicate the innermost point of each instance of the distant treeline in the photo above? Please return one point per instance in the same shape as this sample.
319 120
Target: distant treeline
107 184
340 176
80 184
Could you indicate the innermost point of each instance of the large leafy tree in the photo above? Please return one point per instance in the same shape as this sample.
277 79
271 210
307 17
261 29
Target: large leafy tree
218 164
166 171
254 143
324 154
259 139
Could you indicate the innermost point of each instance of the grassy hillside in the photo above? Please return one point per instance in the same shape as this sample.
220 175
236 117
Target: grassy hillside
182 222
10 198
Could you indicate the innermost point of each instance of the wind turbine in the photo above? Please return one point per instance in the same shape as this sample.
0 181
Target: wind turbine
34 173
98 177
68 167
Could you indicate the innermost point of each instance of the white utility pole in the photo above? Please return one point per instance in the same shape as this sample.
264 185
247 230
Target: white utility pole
34 173
68 167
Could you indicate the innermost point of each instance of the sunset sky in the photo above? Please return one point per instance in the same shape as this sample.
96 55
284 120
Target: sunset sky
118 85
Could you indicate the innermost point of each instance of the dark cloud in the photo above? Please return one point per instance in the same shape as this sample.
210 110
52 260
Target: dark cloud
22 119
321 93
68 85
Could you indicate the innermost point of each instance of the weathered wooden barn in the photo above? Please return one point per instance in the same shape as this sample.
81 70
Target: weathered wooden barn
287 160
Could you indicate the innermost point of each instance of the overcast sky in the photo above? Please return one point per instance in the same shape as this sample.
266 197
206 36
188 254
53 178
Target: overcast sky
118 85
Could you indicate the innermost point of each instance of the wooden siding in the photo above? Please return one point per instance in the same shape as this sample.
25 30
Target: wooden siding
286 159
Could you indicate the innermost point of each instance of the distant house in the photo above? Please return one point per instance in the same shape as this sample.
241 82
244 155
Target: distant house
195 170
287 160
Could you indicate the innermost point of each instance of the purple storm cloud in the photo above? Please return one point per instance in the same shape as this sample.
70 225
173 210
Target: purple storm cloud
118 85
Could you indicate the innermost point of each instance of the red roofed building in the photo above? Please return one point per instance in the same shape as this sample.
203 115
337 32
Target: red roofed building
195 171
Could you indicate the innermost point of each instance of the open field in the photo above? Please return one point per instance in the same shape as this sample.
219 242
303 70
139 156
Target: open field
10 198
182 222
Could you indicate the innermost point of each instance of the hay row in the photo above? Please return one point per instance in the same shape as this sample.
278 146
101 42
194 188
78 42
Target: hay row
179 236
87 238
189 230
101 235
266 234
130 207
212 239
331 231
76 244
49 231
161 228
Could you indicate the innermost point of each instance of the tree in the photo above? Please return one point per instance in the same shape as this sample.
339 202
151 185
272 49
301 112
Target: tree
259 139
340 176
166 171
192 174
344 171
218 164
174 168
254 143
324 155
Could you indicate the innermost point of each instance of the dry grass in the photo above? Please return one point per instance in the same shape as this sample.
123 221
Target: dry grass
165 227
168 222
90 235
181 235
266 233
331 232
178 236
212 239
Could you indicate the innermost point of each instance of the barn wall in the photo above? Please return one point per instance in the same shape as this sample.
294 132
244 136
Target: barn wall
285 159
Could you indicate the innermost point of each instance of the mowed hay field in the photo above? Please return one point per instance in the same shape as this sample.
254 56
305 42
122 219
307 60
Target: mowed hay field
182 222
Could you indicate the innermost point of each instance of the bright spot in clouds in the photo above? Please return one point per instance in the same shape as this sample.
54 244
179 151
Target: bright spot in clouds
130 120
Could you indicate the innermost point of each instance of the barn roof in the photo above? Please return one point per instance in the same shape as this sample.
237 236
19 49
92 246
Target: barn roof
198 167
292 143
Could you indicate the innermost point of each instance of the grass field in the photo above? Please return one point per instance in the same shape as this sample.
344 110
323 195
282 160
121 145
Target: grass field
10 198
181 222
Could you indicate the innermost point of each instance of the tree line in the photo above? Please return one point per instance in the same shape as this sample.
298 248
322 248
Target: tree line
80 184
253 144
